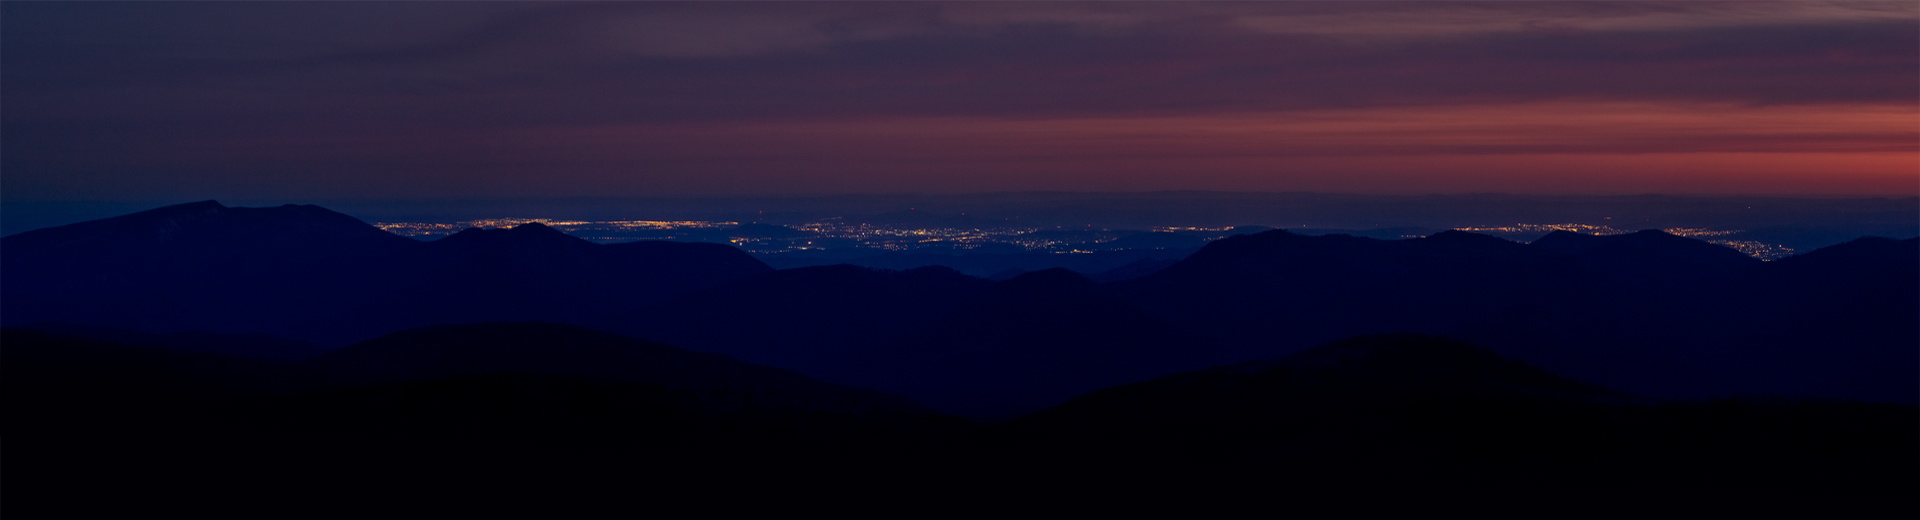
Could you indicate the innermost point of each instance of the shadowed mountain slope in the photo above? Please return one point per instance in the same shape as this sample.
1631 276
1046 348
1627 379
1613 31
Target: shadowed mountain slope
1648 312
979 261
1387 410
1034 341
825 321
1276 292
442 409
208 228
1651 257
1840 322
238 345
533 272
60 385
957 343
195 266
306 273
561 350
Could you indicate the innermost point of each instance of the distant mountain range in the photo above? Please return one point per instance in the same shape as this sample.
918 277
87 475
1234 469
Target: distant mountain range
1645 312
1648 313
307 273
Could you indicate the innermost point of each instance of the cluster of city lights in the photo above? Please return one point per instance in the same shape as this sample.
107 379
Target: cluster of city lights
1584 229
841 234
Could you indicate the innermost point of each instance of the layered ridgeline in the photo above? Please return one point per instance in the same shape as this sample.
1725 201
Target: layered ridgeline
1645 312
957 343
479 410
1407 412
449 413
485 371
304 272
1649 313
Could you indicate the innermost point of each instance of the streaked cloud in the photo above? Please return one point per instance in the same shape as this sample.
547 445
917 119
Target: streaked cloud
704 97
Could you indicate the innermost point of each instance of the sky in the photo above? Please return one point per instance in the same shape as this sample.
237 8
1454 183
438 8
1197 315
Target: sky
342 100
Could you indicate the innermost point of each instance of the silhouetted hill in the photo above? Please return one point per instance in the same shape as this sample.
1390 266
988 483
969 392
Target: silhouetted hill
1649 312
518 242
826 321
238 345
1877 252
977 262
306 273
462 408
66 383
205 225
1321 288
1651 256
475 409
1670 275
1033 341
1359 370
1839 322
682 267
1135 269
533 272
550 349
1007 274
1415 411
198 266
957 343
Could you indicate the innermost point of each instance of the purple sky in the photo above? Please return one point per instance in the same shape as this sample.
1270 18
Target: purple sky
331 100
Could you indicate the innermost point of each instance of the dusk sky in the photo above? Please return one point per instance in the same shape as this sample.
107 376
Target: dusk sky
341 100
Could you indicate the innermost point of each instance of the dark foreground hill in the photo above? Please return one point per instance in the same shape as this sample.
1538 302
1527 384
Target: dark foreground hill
451 351
254 346
1409 410
470 413
1413 418
960 344
48 366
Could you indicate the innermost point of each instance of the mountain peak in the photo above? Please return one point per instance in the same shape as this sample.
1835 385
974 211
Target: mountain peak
1860 251
1642 247
194 207
528 234
200 222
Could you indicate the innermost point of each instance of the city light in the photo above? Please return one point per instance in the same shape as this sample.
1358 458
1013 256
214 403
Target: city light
837 233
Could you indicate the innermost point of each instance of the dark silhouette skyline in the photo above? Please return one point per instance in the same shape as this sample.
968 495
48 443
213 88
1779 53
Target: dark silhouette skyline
1649 313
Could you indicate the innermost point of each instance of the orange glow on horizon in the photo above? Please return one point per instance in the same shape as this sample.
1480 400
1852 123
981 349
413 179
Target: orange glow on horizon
1544 148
